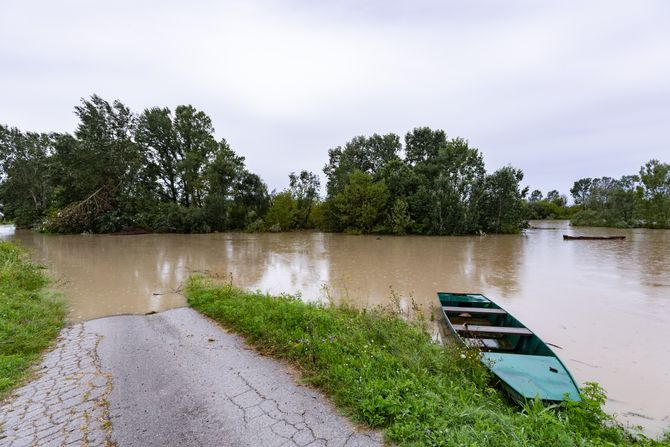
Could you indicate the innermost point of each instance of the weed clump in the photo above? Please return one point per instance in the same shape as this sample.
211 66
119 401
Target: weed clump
29 318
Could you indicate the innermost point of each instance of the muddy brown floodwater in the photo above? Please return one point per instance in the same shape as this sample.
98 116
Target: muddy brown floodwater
605 303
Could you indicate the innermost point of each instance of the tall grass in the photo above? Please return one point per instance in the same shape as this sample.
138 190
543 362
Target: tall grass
388 374
29 318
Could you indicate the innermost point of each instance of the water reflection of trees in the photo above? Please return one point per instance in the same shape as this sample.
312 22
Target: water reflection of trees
497 260
650 250
366 268
126 271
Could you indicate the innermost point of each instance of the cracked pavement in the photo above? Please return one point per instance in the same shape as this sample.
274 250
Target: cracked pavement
170 379
67 403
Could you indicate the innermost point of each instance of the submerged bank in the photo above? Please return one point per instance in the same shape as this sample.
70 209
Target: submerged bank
30 318
388 374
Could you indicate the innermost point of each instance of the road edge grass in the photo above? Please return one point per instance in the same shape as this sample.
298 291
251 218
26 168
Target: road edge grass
387 373
31 317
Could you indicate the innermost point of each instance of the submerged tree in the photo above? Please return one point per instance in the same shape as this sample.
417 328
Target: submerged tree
159 171
437 188
304 188
655 192
360 206
26 165
631 201
502 208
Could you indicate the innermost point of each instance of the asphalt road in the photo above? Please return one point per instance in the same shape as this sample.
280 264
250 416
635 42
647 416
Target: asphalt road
170 379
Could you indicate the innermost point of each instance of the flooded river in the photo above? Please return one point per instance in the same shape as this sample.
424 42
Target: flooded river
605 303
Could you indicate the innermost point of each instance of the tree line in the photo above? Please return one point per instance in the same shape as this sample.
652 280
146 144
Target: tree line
639 200
157 171
431 184
164 171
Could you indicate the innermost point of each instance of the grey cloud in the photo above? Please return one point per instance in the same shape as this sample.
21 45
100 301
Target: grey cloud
560 90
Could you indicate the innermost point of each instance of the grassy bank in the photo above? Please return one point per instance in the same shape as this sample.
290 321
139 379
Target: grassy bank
29 318
388 374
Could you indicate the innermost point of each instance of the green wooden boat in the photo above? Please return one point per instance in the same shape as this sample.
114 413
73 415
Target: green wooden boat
526 367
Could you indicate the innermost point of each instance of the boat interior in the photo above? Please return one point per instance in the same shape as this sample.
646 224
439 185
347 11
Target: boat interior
484 325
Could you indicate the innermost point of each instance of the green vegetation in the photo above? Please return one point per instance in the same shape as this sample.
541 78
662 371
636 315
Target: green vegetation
632 201
29 319
388 374
294 208
164 171
157 171
554 206
439 187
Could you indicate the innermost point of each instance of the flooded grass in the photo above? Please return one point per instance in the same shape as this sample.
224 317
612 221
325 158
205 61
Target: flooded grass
30 318
386 373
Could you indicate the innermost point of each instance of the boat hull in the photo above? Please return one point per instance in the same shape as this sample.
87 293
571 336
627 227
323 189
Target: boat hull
567 237
525 365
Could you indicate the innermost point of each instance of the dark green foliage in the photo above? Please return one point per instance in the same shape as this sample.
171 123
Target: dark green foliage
439 187
554 206
556 198
304 189
26 189
363 154
360 206
399 221
580 190
502 208
158 171
545 209
632 201
654 192
282 212
292 208
388 374
99 171
29 319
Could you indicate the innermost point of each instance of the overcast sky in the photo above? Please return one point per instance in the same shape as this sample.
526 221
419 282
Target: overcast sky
562 89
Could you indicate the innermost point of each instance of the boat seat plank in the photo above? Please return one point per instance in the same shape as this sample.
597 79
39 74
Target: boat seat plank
492 329
487 343
474 310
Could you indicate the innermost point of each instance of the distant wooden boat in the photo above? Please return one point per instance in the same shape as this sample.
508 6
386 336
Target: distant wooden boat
526 367
593 238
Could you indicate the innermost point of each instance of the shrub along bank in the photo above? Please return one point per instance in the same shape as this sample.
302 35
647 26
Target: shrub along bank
30 319
388 374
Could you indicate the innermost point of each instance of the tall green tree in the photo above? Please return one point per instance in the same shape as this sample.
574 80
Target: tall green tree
26 165
455 179
655 192
502 210
222 178
360 207
304 188
250 201
157 139
99 171
423 144
580 190
557 198
282 211
362 154
179 149
437 188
